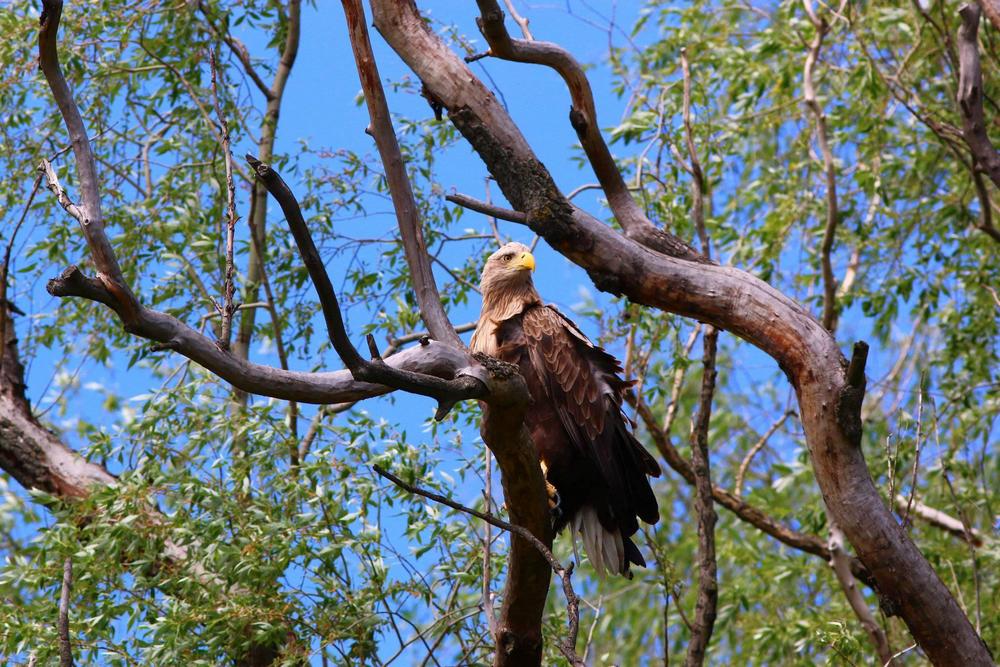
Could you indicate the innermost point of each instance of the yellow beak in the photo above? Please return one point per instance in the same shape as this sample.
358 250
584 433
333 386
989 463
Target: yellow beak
526 261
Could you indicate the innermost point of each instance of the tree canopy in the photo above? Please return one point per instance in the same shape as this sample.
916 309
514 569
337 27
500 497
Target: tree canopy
779 216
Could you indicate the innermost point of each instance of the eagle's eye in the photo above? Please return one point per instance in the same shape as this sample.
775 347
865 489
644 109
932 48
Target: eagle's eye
507 257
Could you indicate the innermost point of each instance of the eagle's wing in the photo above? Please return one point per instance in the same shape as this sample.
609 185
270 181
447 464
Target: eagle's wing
583 384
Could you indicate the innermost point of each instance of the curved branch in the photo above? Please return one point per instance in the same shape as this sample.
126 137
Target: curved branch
91 219
583 118
447 392
725 297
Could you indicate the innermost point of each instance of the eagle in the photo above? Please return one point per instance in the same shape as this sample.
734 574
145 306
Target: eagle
596 472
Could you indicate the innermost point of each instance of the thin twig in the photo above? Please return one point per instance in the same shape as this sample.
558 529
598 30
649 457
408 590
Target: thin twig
5 267
239 49
488 209
487 602
745 464
521 21
966 523
228 289
916 454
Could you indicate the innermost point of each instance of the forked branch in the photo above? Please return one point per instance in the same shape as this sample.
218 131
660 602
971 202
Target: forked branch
446 392
583 118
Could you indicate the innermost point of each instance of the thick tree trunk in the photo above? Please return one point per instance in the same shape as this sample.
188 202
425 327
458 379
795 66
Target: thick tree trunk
727 298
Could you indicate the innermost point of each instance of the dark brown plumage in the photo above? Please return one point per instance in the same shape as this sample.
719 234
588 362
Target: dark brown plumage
597 471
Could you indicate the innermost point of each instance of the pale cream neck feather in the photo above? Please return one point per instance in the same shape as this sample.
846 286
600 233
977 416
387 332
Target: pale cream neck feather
500 303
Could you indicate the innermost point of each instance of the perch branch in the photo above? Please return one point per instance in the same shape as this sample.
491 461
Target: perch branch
446 392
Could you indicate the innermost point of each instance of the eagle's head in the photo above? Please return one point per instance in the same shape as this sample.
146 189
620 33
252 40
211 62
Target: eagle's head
508 269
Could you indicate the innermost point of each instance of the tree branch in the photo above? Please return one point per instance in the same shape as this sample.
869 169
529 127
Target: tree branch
970 94
840 563
257 218
89 216
487 209
708 584
810 544
583 118
725 297
939 519
446 392
239 49
830 309
65 647
752 452
407 215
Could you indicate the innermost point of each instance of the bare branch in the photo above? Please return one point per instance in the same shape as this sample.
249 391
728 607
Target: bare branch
940 519
446 392
407 214
708 584
521 21
916 454
583 118
228 289
745 464
970 94
89 216
65 647
487 209
832 215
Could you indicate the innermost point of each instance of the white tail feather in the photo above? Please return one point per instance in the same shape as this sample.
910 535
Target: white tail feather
605 548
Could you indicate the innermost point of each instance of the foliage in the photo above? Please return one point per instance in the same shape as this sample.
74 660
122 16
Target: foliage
342 567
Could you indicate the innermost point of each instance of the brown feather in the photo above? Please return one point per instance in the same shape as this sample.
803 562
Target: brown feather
582 437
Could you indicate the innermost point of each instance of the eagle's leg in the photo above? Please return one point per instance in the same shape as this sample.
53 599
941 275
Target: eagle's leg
555 502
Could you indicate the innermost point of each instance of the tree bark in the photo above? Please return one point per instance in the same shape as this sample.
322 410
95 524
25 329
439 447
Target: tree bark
725 297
